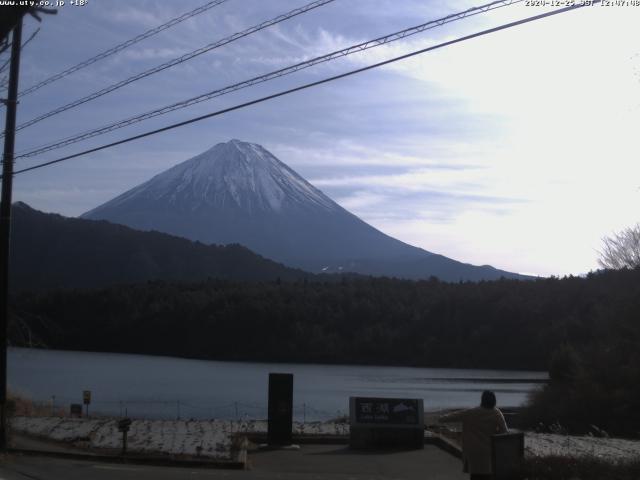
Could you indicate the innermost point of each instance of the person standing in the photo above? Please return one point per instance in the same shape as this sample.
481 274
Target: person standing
478 424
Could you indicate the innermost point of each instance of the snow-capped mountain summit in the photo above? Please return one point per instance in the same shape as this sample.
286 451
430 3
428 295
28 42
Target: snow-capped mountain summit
234 175
238 192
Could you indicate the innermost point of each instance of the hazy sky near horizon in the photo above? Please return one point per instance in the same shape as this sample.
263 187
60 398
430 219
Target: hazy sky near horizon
518 149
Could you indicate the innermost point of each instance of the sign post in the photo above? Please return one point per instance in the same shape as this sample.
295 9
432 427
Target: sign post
123 426
86 399
280 423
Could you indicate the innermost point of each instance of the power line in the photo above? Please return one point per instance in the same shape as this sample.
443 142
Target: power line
312 84
5 46
360 47
122 46
24 44
176 61
31 37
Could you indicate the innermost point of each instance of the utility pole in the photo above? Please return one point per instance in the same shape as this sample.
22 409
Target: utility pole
5 221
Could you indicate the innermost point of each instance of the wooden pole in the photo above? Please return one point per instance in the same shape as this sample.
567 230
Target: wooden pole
5 221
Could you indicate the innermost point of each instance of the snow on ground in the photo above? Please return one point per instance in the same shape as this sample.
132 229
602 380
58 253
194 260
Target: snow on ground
614 449
207 438
57 428
213 438
299 428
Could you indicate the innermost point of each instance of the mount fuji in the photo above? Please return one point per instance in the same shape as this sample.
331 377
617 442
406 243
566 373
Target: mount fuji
238 192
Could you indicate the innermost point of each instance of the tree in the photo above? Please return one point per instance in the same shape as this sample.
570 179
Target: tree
621 250
564 366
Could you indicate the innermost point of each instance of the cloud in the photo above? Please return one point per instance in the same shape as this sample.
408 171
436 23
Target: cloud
347 151
360 200
516 149
415 180
388 206
148 17
151 53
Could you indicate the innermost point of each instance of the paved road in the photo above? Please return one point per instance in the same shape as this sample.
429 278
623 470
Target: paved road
311 462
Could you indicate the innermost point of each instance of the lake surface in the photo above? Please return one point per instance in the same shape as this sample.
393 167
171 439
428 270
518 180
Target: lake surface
167 387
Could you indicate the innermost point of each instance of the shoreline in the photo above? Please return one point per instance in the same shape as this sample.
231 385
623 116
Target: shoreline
297 362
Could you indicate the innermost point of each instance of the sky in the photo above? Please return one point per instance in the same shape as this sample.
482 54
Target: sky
518 149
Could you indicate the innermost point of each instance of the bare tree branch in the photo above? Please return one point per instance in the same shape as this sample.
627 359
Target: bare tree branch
621 250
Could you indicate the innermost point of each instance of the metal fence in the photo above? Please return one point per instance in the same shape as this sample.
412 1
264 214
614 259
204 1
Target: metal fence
176 410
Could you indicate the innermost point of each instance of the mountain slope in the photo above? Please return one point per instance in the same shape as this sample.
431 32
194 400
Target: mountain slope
238 192
52 251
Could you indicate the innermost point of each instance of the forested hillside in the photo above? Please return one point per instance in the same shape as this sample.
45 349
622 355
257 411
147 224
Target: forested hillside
506 324
51 251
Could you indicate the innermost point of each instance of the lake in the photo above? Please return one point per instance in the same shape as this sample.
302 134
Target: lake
167 387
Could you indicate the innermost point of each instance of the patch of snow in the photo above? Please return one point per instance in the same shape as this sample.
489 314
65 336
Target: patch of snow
612 449
207 438
213 438
179 437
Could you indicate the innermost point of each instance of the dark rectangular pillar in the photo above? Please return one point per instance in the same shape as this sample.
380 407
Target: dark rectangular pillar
280 422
